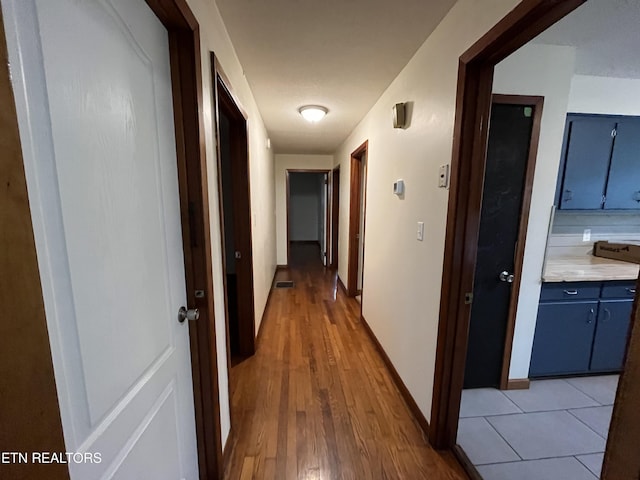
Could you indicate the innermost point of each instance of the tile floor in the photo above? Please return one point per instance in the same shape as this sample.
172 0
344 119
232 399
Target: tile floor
556 430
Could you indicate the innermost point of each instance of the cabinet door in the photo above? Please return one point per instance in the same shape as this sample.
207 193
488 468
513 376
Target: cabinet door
623 187
563 338
588 153
614 318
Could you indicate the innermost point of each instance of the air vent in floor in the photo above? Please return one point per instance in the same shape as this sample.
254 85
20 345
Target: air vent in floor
287 284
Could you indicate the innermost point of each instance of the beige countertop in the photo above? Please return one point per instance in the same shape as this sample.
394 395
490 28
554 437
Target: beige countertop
587 268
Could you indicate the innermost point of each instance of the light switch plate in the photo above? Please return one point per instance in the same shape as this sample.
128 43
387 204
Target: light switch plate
420 232
398 188
443 176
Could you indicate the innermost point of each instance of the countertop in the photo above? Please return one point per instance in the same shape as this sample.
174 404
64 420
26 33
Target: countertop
587 268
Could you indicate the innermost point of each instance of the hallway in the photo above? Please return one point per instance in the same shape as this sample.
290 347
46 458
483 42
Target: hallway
316 401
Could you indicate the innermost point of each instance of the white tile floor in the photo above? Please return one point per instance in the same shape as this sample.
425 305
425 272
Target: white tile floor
556 430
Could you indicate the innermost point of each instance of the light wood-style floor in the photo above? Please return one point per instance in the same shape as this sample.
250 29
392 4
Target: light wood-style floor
316 401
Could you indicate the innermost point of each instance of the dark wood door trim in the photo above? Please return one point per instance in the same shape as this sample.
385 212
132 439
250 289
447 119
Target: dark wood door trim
355 192
537 103
225 101
288 195
335 215
473 104
186 77
327 219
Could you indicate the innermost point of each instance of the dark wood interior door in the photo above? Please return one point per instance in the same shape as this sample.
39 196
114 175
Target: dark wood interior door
335 211
507 154
236 225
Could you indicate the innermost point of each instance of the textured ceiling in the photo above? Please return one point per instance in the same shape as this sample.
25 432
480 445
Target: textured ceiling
338 53
606 34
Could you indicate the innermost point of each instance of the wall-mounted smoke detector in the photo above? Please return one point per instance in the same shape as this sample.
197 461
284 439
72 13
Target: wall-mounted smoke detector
313 113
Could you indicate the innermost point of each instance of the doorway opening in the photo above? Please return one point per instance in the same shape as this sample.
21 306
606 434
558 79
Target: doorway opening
512 148
335 216
308 215
594 311
357 208
235 221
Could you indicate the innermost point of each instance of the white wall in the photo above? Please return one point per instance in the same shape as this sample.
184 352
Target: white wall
282 164
546 71
402 276
214 37
604 95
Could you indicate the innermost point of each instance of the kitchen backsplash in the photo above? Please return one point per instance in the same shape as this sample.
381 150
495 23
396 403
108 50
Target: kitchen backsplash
567 233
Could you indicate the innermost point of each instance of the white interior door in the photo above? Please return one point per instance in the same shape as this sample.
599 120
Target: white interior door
93 91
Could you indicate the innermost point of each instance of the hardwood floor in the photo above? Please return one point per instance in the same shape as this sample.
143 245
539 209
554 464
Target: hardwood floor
316 401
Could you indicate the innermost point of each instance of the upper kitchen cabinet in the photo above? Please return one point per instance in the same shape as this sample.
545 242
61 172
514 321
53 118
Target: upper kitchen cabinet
588 143
623 189
600 168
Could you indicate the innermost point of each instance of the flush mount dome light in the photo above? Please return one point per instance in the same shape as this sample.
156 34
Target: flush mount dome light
313 113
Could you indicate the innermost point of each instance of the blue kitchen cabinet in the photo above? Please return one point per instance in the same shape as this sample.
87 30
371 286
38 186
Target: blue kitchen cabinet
563 338
587 154
610 342
582 327
623 187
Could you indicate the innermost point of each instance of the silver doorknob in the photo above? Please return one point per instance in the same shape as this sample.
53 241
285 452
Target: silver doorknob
507 277
191 314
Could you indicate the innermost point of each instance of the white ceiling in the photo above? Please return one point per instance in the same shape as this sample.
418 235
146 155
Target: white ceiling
341 54
606 34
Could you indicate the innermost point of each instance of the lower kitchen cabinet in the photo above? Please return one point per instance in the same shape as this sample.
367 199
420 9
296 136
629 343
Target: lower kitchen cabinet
563 339
611 335
584 334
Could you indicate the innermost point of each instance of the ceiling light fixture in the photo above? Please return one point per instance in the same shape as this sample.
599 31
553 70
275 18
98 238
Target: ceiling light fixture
313 113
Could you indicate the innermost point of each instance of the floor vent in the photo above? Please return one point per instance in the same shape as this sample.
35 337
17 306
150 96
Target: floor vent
287 284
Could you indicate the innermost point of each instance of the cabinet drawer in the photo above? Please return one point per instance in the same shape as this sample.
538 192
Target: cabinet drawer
619 289
570 291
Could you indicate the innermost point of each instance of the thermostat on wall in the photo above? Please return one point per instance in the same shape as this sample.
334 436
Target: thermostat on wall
398 187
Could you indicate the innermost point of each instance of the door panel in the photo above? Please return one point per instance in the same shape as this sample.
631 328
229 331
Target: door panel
623 189
104 186
563 338
335 211
507 154
361 224
587 163
609 345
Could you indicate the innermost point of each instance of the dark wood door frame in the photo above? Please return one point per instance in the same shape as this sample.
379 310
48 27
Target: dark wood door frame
335 216
537 103
186 78
288 194
356 187
473 105
227 103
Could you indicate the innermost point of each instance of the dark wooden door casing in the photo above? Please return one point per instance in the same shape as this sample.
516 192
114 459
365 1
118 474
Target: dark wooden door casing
226 104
